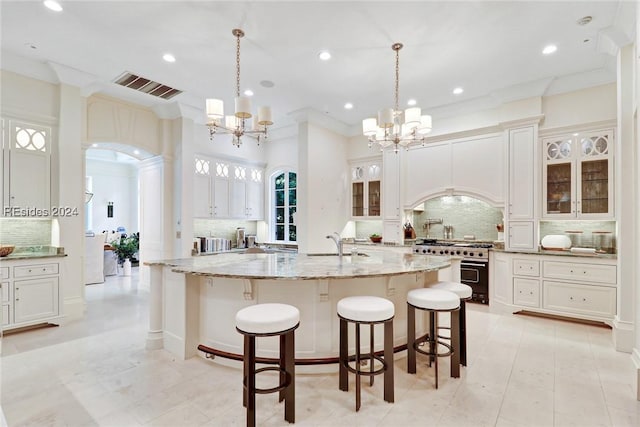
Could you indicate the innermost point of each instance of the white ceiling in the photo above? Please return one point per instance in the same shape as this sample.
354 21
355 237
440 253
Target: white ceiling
492 49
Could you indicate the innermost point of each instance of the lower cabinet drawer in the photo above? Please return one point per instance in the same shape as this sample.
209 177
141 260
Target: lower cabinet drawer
526 267
599 273
35 270
526 292
597 301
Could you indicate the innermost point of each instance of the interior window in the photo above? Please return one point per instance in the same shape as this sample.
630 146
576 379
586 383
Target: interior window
284 185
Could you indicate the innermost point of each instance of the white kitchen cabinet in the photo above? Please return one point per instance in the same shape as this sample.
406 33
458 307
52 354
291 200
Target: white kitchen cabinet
499 278
391 208
526 292
30 293
570 286
247 193
596 301
366 178
224 190
392 232
35 299
521 236
522 188
578 176
27 166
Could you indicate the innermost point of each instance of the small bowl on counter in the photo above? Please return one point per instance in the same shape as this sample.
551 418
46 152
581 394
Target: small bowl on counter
6 250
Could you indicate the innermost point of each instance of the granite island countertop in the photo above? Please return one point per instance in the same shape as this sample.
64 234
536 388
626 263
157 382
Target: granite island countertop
293 266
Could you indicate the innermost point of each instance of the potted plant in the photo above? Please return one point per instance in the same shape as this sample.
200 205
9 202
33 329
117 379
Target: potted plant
375 238
125 248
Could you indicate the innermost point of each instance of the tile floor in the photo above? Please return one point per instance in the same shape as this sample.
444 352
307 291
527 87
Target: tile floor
523 371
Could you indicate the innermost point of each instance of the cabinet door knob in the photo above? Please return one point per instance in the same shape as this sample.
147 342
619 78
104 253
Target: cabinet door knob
571 298
29 270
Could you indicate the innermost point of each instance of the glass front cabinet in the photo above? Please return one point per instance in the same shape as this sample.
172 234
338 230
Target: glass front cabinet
365 189
578 175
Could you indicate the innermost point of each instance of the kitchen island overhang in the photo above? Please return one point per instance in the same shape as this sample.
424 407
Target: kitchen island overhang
194 300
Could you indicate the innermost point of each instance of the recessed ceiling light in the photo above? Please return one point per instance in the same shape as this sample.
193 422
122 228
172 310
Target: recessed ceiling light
248 92
411 102
458 91
549 49
576 134
267 83
348 106
94 145
168 57
136 152
324 55
584 20
53 5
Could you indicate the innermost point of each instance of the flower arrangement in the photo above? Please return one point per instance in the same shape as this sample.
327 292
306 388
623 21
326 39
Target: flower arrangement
375 238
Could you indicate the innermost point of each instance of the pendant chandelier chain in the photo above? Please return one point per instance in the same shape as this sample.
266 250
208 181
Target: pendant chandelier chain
397 78
238 64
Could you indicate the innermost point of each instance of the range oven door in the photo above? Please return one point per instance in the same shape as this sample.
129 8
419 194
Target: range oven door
476 274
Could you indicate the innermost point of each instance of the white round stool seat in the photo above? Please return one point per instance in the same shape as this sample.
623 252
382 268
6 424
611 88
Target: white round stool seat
463 291
267 318
366 309
433 299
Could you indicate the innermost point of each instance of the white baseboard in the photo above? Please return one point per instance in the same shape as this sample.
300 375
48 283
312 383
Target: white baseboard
623 339
635 358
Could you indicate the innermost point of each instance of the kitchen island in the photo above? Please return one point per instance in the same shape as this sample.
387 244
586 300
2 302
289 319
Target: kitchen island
194 300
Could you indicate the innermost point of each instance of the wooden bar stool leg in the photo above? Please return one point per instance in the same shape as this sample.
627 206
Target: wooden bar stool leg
245 370
282 365
463 333
388 360
251 382
455 343
411 339
357 367
344 344
434 342
289 366
433 336
371 345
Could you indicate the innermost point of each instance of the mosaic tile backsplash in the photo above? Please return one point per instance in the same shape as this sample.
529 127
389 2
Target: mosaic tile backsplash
25 232
225 229
584 239
467 215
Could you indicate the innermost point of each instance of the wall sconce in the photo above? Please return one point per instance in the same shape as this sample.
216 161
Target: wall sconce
110 210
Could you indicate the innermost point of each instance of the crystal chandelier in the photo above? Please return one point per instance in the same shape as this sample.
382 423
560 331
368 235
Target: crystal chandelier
390 128
237 124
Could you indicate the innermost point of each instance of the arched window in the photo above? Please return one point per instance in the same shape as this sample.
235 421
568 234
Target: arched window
284 190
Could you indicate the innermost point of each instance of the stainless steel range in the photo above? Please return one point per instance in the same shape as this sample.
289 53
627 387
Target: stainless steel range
474 267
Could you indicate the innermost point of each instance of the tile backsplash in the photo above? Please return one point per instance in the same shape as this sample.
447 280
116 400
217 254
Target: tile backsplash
584 239
467 215
225 229
25 232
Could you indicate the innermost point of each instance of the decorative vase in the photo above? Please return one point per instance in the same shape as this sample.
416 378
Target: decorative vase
126 267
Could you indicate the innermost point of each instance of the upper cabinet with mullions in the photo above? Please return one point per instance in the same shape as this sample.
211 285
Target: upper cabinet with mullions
578 175
365 189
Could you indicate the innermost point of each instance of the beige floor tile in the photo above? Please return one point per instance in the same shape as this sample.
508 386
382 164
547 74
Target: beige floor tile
523 371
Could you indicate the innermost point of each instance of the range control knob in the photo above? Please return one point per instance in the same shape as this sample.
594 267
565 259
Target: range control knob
424 251
441 252
470 253
446 251
464 253
457 252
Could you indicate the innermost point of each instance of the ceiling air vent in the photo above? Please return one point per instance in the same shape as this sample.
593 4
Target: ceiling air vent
144 85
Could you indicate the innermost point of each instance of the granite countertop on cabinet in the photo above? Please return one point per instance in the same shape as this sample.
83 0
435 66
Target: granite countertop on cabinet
35 252
292 266
565 253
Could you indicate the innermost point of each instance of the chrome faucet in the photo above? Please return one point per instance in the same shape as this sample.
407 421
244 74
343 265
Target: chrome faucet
335 236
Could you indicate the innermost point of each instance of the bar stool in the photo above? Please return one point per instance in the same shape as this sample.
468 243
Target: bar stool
433 301
464 293
366 310
266 320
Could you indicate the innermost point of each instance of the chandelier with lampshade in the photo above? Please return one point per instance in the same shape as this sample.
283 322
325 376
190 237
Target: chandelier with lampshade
238 124
395 128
